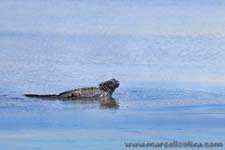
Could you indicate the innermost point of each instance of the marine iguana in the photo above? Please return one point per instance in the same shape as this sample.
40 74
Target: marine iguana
104 90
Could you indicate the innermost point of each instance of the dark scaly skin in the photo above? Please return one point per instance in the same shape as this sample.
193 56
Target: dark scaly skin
104 90
90 92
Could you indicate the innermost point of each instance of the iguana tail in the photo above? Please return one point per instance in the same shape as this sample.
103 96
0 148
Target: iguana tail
49 96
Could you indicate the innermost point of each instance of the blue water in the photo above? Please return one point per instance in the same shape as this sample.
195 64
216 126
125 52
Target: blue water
172 85
149 109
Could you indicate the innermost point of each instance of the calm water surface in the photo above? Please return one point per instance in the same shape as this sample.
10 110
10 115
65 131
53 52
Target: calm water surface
150 109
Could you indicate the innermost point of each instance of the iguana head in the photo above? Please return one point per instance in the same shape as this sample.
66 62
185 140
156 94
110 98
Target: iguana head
109 86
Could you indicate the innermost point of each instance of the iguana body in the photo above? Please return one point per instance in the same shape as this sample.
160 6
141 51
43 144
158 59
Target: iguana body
105 89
